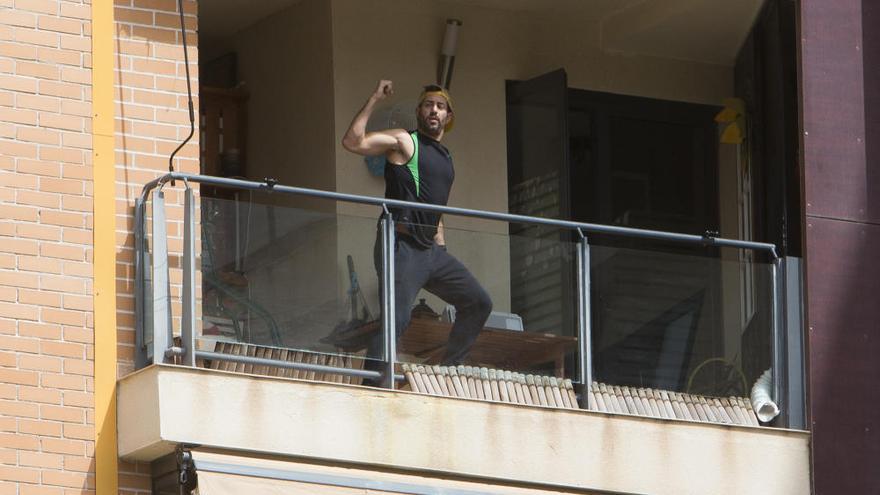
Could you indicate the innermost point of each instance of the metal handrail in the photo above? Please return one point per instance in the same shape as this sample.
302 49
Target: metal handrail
270 185
162 346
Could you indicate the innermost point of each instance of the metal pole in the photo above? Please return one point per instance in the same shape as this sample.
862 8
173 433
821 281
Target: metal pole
161 307
778 340
585 350
188 323
237 234
388 296
233 358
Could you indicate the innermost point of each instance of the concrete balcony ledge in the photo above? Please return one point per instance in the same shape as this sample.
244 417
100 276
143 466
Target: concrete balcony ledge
162 406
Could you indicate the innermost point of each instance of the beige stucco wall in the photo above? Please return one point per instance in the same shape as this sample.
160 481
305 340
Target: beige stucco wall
471 439
290 108
401 41
291 262
284 63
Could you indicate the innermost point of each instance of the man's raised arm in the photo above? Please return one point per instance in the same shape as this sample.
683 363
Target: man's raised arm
358 140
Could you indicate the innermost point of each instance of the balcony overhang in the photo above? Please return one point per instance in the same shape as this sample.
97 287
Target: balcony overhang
163 406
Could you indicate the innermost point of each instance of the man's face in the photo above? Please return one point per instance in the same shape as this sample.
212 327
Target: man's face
433 114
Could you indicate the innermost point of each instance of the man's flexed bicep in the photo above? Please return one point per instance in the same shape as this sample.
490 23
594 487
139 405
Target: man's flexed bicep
374 143
392 143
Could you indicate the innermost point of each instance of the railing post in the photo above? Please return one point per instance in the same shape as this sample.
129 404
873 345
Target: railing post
388 300
140 353
585 356
188 324
161 306
778 341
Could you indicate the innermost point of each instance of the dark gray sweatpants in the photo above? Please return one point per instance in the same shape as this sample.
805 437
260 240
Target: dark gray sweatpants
441 274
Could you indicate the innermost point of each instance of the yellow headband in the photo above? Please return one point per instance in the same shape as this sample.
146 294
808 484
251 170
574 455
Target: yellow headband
443 93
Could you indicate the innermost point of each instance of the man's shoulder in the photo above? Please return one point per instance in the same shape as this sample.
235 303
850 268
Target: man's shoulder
443 149
405 148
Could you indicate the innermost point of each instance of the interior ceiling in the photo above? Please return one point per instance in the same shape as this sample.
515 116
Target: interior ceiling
709 31
222 18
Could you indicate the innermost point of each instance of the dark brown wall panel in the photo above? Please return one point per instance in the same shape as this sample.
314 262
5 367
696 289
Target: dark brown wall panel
840 81
871 57
833 109
843 290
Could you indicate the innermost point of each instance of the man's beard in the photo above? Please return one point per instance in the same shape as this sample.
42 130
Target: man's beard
425 126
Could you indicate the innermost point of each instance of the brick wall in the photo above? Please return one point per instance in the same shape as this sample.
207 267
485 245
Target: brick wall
46 320
46 265
151 120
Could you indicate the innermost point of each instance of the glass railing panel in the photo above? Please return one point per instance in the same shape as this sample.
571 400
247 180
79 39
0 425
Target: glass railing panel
528 278
145 313
679 319
281 282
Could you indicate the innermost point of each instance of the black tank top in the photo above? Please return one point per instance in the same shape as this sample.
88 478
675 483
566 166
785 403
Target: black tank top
426 178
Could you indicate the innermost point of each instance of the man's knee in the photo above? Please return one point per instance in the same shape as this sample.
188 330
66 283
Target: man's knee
483 303
477 303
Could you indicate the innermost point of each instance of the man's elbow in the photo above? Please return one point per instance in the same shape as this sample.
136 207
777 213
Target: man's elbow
351 144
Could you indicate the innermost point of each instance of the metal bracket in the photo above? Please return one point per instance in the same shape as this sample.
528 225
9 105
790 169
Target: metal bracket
270 182
174 351
186 469
709 236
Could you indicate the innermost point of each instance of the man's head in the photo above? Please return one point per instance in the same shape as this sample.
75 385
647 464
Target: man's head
434 112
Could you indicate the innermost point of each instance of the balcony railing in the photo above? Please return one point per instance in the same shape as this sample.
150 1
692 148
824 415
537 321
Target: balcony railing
285 290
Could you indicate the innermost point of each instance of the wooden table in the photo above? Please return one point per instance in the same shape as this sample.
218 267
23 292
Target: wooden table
496 348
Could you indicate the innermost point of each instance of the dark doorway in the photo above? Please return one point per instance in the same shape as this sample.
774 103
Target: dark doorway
766 79
624 160
642 162
649 164
542 278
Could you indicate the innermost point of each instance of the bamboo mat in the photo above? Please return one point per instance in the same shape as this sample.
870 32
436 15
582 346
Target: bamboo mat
518 388
490 384
504 386
673 405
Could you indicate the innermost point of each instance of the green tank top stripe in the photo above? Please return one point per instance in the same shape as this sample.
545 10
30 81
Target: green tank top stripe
413 163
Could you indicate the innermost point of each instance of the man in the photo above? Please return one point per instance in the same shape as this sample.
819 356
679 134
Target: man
419 169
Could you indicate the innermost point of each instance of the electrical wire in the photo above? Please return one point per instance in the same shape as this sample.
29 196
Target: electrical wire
192 116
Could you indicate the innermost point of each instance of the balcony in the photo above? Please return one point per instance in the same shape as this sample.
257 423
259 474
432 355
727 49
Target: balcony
610 349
